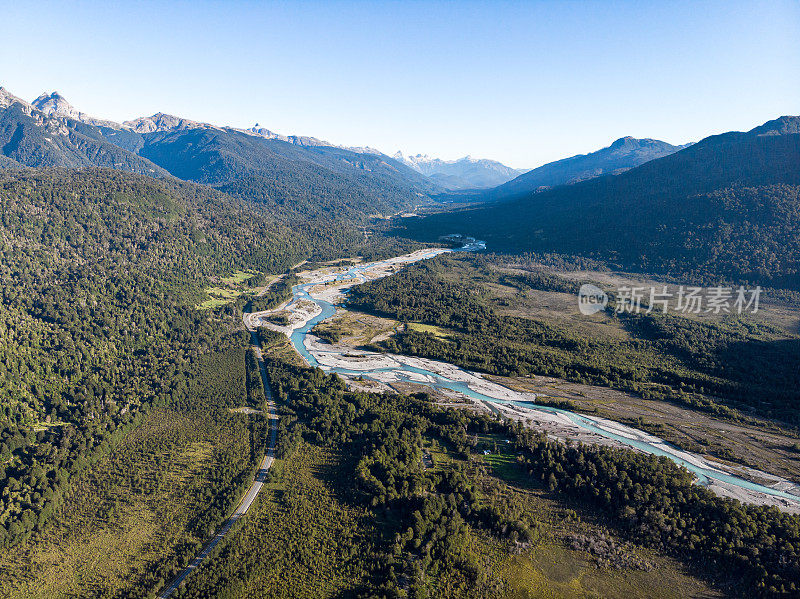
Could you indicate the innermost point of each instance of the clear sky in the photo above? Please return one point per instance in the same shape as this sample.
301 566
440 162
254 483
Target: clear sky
520 82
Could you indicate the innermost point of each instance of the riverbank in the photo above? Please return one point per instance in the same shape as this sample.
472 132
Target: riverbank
327 287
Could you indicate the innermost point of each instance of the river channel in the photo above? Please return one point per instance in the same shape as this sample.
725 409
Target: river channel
393 368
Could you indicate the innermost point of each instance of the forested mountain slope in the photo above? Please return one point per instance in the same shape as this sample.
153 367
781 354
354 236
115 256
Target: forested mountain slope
727 207
100 271
623 154
297 180
31 138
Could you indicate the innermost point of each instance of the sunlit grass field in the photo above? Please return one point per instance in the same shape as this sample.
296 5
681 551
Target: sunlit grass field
233 287
131 515
301 538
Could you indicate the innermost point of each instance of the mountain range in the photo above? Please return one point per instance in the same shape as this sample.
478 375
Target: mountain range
623 154
725 208
298 176
29 137
464 173
56 105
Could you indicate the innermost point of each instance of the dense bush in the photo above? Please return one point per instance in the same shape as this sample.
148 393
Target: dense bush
99 272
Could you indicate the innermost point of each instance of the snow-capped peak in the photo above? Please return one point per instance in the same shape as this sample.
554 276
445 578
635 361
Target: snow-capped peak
461 172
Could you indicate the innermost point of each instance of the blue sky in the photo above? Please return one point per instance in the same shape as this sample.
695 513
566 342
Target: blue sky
520 82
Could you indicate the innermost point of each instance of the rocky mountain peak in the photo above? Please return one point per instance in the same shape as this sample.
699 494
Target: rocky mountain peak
628 140
161 121
7 99
56 105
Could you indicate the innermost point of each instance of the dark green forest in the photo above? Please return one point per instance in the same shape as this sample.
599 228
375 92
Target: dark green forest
100 272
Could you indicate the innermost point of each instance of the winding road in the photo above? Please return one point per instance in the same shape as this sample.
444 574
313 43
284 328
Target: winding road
258 481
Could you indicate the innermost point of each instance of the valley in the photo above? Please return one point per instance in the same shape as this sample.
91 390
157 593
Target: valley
253 347
569 440
326 287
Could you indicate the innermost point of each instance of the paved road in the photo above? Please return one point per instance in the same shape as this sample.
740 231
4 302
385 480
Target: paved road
255 487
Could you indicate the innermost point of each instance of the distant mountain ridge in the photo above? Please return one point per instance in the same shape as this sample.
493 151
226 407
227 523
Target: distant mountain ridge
463 173
164 122
301 177
724 209
54 104
625 153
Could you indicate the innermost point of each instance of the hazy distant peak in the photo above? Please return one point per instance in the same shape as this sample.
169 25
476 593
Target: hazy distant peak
364 150
164 122
263 132
304 140
412 161
420 159
461 173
